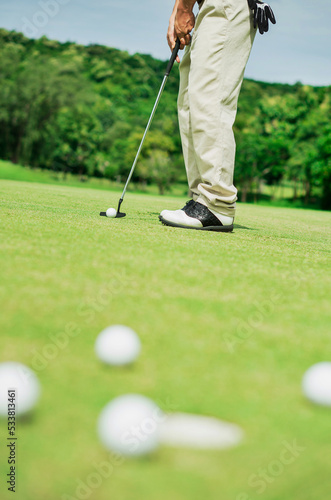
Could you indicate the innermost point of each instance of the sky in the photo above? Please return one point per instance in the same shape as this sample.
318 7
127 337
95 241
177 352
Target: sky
298 48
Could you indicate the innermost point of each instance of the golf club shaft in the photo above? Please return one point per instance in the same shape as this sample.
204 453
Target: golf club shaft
145 133
171 62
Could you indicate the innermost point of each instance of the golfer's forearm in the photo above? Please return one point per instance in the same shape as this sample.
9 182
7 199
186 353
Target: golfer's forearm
186 4
183 5
174 12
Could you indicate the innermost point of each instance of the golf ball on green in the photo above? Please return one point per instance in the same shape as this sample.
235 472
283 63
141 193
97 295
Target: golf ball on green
117 345
316 383
130 425
111 212
19 383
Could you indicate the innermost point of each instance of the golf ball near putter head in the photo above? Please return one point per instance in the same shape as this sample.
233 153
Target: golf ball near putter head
111 212
117 345
130 425
316 383
18 377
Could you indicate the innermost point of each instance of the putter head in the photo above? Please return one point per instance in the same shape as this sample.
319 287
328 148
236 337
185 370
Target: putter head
119 214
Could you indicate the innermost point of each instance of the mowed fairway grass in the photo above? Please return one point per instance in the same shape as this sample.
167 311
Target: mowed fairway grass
228 322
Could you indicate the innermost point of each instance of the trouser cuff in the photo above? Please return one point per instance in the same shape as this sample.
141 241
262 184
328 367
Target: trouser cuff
222 210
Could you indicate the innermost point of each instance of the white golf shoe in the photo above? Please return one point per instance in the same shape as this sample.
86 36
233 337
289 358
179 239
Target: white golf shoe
197 216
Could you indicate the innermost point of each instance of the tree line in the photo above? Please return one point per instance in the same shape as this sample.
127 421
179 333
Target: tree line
83 109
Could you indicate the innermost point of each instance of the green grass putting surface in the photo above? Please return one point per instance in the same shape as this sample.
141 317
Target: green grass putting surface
228 323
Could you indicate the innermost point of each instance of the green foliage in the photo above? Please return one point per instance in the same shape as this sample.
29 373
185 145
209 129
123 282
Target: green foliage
285 137
83 110
78 138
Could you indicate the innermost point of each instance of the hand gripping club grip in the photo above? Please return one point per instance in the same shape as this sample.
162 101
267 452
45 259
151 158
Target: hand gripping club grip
173 57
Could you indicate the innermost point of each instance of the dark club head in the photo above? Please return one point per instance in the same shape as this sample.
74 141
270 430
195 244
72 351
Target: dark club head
119 214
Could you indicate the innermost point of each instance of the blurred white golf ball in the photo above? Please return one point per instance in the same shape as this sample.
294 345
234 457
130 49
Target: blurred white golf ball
130 425
111 212
117 345
19 377
316 383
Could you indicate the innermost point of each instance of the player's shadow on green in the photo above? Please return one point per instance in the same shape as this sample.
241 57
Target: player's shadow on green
238 226
148 215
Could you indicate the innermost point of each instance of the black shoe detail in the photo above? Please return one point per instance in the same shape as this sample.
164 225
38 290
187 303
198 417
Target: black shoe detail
203 214
188 204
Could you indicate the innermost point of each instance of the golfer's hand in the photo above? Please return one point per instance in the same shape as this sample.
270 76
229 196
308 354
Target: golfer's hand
181 24
184 24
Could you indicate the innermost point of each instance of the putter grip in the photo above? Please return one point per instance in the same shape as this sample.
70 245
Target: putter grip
173 57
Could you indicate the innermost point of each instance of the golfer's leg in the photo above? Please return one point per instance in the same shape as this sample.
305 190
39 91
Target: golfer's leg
185 126
220 49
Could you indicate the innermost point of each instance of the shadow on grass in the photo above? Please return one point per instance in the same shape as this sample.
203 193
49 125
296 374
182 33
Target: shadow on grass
155 215
238 226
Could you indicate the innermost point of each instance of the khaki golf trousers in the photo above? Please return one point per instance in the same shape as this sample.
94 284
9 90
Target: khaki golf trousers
211 74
